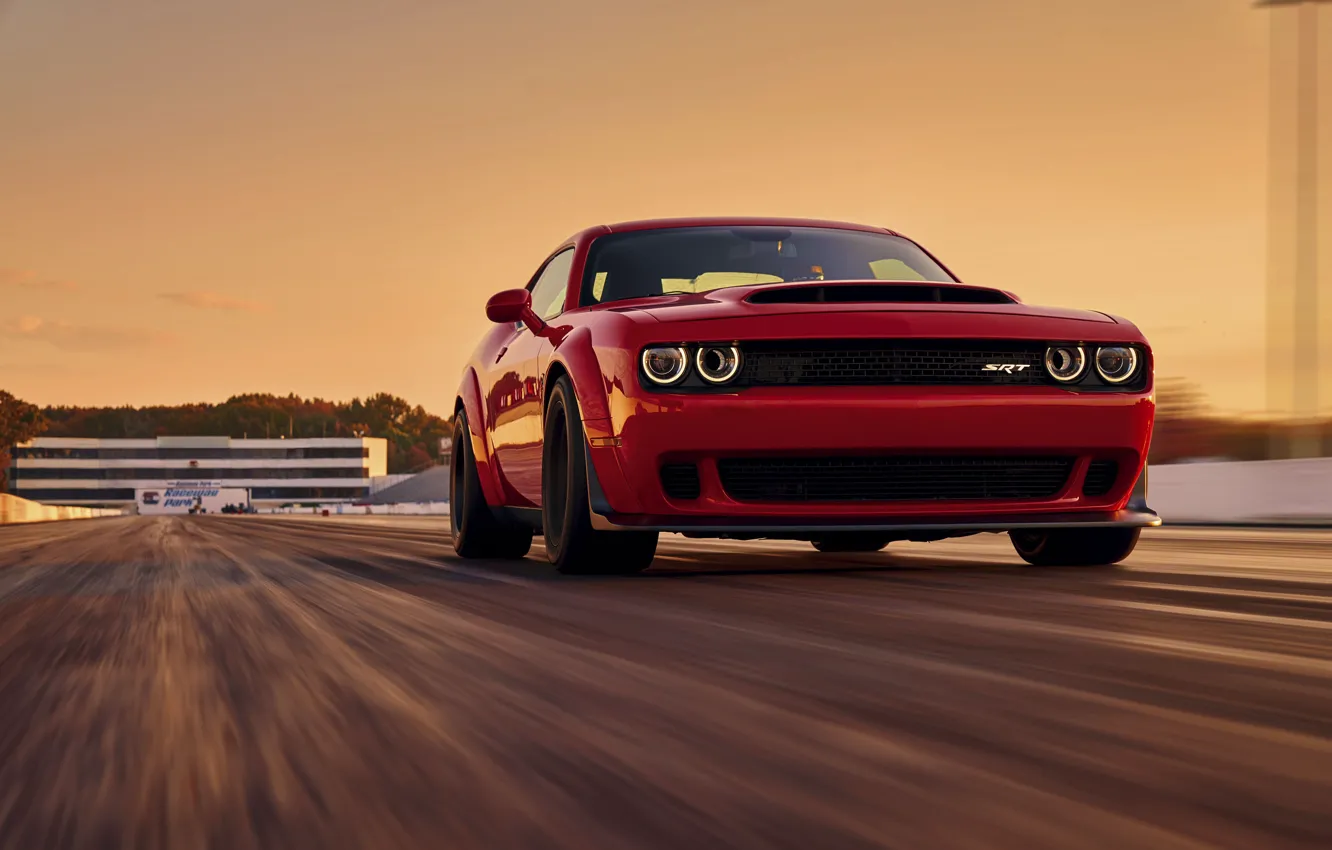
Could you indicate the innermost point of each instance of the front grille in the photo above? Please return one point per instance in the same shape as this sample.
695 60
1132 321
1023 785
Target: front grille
1101 477
680 480
892 479
876 363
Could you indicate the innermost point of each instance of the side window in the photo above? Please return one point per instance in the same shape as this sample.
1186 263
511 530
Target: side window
549 291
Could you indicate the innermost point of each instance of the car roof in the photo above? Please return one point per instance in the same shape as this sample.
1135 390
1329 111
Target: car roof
738 221
727 221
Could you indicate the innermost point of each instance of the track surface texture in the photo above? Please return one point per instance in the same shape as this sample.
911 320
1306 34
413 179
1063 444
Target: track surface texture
214 682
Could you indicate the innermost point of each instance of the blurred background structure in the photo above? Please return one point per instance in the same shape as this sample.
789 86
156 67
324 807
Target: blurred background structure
1296 306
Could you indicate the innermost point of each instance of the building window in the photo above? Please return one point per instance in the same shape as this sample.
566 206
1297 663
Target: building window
281 453
58 495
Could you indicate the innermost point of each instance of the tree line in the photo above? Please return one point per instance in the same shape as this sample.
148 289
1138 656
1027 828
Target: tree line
412 432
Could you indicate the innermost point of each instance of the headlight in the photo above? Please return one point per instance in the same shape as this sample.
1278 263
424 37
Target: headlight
1116 363
718 363
665 366
1065 363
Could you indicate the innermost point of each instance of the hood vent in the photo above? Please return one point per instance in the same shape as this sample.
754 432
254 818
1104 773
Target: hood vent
874 293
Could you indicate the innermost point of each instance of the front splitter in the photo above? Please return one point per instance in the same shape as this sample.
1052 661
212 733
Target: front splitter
788 527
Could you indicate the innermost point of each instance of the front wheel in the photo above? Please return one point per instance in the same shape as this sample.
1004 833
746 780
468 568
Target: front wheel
476 531
1075 547
572 544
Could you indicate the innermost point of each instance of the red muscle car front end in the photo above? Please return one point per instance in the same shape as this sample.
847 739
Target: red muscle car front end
979 437
792 379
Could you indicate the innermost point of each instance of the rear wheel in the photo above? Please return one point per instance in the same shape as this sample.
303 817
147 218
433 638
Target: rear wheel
477 532
848 542
572 544
1075 547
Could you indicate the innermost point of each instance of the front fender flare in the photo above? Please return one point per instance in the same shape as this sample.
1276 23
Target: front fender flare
576 356
607 485
469 394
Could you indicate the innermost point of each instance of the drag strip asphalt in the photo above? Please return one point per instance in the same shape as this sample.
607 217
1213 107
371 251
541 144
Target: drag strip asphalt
190 682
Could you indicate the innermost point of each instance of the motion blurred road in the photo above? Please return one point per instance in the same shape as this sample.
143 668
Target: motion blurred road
305 682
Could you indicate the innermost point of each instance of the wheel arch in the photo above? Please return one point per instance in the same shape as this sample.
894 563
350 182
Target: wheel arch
468 401
554 372
576 359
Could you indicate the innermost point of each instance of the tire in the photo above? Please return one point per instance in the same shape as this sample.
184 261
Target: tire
476 531
1075 547
572 544
852 542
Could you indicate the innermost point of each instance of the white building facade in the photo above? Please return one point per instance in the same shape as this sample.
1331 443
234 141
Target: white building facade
75 471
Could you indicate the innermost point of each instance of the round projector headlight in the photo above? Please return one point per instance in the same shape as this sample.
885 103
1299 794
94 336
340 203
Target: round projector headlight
1065 363
718 363
1116 363
665 366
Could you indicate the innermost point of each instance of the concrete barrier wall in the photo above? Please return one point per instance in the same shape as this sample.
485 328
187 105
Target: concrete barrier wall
1238 492
1212 492
1242 492
16 510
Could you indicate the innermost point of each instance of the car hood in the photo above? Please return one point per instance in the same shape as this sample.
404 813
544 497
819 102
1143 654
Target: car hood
796 309
688 309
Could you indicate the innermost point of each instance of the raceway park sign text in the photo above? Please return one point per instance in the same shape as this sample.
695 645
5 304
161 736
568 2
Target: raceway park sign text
183 494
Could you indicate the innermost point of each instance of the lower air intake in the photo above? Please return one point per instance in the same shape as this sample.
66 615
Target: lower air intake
680 480
1101 477
893 479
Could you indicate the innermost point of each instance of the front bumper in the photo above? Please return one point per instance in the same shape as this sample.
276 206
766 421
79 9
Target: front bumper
627 452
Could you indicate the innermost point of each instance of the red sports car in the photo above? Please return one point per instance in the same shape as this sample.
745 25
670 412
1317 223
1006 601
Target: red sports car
773 378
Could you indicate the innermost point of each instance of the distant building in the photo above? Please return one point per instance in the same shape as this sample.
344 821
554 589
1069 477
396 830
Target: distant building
75 471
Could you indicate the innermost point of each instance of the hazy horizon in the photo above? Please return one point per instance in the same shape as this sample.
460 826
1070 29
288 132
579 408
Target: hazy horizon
202 199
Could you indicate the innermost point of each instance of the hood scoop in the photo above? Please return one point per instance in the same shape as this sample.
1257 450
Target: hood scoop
879 293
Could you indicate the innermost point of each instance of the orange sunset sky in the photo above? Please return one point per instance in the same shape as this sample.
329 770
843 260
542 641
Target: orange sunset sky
199 198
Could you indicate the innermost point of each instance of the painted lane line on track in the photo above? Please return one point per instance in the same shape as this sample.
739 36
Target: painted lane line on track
1256 659
1269 595
1217 614
1239 573
1259 659
434 563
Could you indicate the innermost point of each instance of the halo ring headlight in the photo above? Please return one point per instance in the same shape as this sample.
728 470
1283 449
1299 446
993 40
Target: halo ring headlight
717 364
1116 364
1065 363
665 365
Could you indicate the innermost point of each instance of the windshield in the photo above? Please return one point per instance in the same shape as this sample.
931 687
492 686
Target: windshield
700 259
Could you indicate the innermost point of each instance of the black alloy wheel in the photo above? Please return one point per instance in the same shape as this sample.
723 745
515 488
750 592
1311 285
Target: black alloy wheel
1075 547
476 531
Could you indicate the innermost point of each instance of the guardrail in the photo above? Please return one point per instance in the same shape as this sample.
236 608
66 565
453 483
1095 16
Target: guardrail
346 509
1216 492
1239 492
15 510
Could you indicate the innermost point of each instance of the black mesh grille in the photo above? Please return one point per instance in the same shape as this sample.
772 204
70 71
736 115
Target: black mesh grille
887 479
680 480
873 363
1101 477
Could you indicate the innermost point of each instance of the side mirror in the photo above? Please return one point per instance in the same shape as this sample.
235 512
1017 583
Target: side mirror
513 305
